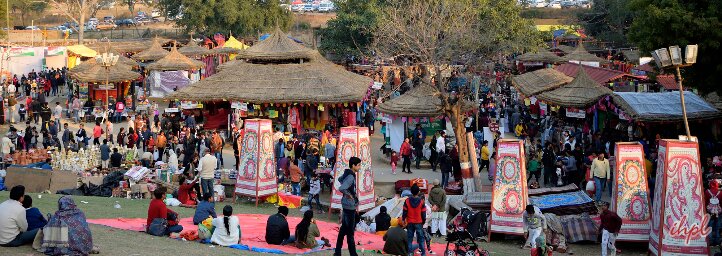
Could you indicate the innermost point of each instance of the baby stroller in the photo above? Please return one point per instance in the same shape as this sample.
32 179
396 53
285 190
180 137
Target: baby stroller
470 226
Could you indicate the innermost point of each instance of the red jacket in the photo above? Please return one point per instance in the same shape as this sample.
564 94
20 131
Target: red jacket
157 209
414 211
405 149
610 221
184 193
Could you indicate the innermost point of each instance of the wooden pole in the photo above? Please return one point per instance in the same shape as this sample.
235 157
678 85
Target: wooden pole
684 107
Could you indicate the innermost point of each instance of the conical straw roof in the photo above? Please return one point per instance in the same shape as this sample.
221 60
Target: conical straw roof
276 47
582 92
193 50
581 54
541 56
155 52
175 61
94 73
532 83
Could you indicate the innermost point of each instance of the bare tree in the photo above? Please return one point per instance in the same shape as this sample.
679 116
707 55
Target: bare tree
439 33
78 11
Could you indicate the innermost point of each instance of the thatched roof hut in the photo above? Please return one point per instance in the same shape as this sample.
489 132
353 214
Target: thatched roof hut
581 54
271 72
563 48
541 56
175 61
714 99
579 93
532 83
192 50
154 52
225 50
94 73
128 46
276 47
421 101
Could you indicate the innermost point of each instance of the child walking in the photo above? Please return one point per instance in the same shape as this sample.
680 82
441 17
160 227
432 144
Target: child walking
394 161
22 111
313 193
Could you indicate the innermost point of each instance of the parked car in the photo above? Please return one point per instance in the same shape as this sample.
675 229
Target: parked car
554 5
105 26
62 29
32 28
108 18
308 7
326 7
126 22
93 21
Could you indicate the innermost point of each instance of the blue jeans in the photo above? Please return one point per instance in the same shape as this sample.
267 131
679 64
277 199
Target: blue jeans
117 117
173 229
218 156
598 185
417 229
23 238
348 226
310 201
207 186
716 224
289 240
296 188
444 179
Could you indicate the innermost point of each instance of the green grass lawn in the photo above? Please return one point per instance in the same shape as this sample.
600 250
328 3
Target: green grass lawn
120 242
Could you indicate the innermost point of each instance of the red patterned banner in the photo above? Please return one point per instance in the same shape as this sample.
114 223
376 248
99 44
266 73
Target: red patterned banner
509 195
631 192
256 173
354 141
678 215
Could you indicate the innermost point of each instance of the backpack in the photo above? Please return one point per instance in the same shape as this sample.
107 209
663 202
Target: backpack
157 227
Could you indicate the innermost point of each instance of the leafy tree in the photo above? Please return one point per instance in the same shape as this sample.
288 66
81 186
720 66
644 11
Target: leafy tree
351 31
131 5
608 20
663 23
439 33
26 7
78 11
242 17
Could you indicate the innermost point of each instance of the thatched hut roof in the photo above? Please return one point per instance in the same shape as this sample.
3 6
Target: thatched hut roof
225 50
175 61
421 101
714 99
128 46
532 83
276 47
192 50
579 93
94 73
154 52
581 54
564 48
541 56
316 81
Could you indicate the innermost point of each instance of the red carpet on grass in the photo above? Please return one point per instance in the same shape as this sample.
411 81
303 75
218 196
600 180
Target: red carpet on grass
253 232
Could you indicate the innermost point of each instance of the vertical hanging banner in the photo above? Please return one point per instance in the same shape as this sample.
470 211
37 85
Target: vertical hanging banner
257 170
354 141
631 192
509 195
679 220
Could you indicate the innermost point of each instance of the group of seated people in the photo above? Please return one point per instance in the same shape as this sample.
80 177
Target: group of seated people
65 233
307 231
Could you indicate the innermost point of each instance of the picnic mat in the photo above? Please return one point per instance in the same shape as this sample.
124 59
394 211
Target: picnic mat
567 203
253 230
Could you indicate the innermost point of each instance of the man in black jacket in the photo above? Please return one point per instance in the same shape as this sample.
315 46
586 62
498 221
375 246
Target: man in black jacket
383 220
277 228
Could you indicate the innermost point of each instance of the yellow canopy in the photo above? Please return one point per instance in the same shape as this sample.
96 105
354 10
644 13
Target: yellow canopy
82 50
232 42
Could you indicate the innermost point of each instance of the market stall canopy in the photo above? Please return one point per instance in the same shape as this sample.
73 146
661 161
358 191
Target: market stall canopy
599 75
532 83
541 56
579 93
276 47
175 61
581 54
663 106
232 42
98 74
193 50
81 50
284 80
155 52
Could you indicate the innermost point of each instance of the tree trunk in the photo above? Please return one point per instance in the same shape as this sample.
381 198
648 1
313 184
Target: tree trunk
81 27
457 121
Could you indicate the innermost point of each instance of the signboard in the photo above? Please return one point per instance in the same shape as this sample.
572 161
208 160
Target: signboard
509 195
377 85
542 108
171 110
257 170
576 113
429 127
354 141
105 86
235 104
678 215
494 127
631 192
186 104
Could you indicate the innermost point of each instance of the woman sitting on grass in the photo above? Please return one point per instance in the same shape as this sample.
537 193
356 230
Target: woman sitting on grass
228 229
307 231
67 231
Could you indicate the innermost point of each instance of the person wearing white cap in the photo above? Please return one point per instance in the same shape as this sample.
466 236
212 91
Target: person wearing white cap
437 199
